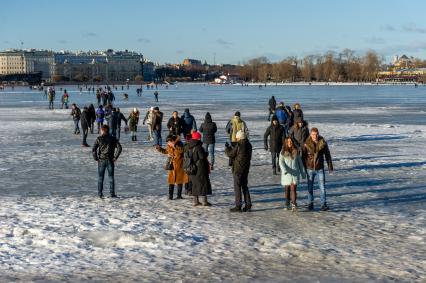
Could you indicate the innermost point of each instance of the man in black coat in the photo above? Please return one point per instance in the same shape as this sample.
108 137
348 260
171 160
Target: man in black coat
241 158
120 118
175 124
85 124
277 134
106 151
209 129
272 105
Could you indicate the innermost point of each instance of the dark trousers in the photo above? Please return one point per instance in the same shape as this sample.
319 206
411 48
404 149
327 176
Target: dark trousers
240 185
109 166
99 126
275 159
50 104
85 133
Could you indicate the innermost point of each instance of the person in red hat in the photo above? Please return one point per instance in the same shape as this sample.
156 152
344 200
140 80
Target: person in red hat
196 166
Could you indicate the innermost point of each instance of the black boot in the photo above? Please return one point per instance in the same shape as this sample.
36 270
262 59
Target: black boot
311 206
179 192
235 209
171 189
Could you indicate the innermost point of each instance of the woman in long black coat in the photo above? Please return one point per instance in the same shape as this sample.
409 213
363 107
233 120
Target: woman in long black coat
201 186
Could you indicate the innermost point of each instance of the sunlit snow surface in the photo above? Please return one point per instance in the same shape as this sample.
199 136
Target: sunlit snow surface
54 228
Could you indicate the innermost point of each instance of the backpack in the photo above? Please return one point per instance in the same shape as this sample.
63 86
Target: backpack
188 163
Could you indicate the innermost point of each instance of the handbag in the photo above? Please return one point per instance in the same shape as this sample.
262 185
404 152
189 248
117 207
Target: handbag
169 164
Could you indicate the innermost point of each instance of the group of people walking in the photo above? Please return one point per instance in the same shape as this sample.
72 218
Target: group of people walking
296 152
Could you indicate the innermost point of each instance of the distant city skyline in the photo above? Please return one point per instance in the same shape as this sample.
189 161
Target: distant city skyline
221 32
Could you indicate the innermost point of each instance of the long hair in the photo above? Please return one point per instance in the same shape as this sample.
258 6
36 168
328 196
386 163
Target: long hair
288 150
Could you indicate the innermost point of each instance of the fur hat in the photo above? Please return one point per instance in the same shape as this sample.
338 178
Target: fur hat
240 135
238 114
196 136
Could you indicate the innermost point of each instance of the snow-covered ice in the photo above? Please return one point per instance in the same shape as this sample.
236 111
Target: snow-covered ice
54 228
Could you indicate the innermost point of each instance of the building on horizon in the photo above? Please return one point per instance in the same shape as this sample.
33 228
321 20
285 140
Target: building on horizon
106 65
28 61
191 63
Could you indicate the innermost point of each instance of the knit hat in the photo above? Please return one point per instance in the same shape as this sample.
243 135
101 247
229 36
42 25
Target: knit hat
274 118
237 114
196 136
240 135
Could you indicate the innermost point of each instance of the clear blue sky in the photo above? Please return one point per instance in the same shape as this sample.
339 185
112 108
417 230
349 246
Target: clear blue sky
169 31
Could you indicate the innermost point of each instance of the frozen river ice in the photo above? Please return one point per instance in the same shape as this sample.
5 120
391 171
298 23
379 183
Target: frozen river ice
54 228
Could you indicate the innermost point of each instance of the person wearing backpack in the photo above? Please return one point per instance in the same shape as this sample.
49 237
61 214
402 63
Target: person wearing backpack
100 115
209 129
176 174
196 166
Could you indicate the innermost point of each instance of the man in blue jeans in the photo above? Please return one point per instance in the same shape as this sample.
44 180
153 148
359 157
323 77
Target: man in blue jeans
157 120
106 151
314 151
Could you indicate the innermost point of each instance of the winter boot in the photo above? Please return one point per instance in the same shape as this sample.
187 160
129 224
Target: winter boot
171 189
235 209
247 208
287 205
293 207
179 192
311 206
274 171
324 207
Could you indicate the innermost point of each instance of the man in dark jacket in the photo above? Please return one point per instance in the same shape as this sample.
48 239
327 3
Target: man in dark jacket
157 120
277 134
314 151
272 105
92 117
85 124
75 113
188 122
299 133
120 118
241 156
106 151
175 124
209 129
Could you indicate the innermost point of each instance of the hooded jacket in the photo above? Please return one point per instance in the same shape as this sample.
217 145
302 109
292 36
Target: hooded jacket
234 125
277 134
208 129
188 123
201 185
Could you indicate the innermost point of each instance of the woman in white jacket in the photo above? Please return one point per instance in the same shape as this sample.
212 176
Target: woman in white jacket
292 170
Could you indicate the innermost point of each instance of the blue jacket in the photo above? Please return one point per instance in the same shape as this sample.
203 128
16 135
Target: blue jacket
188 123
